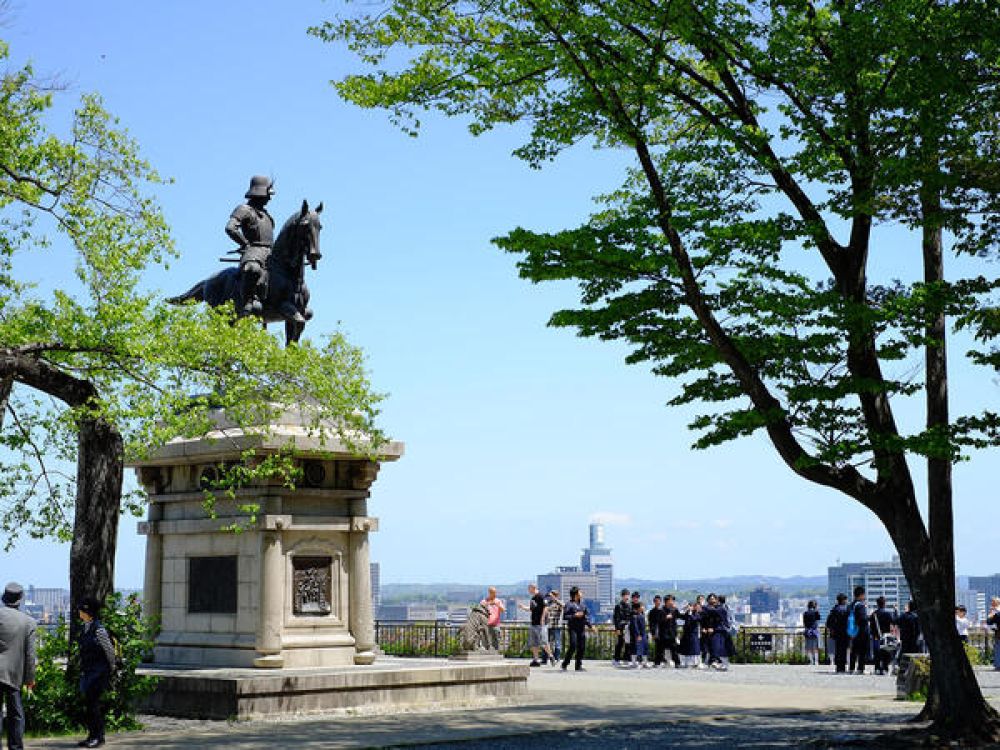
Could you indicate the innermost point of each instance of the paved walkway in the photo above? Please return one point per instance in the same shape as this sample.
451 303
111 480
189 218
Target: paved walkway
751 705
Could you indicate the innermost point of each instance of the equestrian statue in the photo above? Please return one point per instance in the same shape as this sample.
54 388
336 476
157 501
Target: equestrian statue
269 282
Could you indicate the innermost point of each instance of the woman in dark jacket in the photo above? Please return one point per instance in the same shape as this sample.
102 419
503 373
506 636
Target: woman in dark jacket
97 661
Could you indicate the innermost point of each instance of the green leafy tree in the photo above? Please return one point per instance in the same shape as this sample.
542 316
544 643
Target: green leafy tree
56 705
103 370
771 141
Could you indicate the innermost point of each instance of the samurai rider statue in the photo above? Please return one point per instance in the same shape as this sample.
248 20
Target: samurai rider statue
251 227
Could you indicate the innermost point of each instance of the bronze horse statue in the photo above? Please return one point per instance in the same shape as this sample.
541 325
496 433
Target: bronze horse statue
287 297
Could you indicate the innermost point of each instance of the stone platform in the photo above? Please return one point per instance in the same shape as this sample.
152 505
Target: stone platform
389 685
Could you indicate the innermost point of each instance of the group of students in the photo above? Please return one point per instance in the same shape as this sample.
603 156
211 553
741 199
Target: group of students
861 637
881 636
697 635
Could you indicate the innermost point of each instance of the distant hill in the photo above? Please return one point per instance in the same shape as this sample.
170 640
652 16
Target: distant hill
729 584
452 592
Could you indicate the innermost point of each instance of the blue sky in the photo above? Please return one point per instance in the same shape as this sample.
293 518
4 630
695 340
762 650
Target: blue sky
517 435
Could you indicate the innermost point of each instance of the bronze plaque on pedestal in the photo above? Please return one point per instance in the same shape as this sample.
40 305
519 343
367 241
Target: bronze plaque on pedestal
311 585
212 585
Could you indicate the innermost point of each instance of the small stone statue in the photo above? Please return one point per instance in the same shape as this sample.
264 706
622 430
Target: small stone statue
475 633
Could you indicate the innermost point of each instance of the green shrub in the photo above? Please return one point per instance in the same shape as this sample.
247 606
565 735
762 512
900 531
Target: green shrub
976 657
56 706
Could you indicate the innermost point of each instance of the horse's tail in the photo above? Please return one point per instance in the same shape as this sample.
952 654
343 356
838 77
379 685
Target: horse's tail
196 293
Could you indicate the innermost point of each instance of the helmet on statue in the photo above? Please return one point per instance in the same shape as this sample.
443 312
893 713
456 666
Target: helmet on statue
260 187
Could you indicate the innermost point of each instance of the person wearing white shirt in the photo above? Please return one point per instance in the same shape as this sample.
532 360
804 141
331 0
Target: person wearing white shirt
962 623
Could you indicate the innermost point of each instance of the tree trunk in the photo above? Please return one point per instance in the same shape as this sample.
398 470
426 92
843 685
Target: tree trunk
98 506
955 705
99 469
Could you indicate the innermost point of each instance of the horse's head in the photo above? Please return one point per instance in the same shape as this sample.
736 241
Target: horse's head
308 227
298 240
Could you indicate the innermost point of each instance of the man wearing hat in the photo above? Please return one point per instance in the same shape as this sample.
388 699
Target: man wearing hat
17 661
251 227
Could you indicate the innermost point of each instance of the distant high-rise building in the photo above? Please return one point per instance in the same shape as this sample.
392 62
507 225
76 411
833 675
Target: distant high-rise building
597 559
54 602
764 599
989 586
879 579
376 574
566 578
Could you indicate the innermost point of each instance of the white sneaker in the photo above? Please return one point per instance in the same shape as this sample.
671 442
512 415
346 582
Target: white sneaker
615 663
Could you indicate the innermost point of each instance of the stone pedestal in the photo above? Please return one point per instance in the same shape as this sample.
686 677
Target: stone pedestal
293 587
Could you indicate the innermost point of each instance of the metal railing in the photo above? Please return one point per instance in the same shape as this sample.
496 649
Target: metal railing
758 645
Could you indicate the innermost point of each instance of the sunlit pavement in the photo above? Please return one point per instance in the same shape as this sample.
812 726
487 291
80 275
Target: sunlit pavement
752 705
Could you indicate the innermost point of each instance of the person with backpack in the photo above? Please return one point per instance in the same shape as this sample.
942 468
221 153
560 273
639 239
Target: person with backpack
836 627
97 664
859 632
884 641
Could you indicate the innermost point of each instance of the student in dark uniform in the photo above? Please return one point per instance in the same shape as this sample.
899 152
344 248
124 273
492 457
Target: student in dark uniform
703 637
715 624
810 621
653 619
577 623
728 626
690 646
862 642
836 628
909 630
620 619
668 629
881 622
638 636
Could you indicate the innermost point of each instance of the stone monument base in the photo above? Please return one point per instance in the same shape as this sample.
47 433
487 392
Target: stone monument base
477 656
387 685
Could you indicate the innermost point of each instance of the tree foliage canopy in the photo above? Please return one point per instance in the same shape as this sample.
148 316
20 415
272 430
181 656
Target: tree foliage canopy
770 139
108 346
